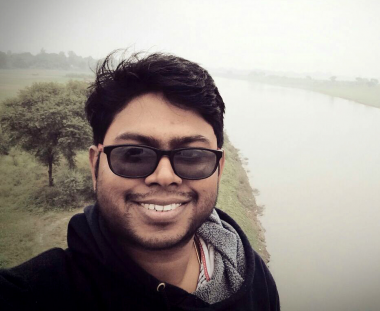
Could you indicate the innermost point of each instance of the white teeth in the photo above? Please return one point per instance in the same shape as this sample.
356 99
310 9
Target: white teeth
168 207
161 208
158 208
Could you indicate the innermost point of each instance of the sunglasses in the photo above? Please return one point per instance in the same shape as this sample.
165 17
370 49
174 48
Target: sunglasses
136 161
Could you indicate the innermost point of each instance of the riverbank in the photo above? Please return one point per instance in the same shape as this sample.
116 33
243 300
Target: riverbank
361 93
236 197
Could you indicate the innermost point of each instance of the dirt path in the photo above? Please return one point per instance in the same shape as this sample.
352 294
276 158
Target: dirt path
53 230
25 234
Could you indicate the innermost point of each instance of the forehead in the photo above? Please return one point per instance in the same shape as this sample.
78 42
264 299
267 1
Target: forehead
152 115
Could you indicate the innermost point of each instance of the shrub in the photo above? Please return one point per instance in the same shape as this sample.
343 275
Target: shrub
73 188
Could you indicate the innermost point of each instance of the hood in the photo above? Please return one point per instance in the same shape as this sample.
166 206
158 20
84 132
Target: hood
89 238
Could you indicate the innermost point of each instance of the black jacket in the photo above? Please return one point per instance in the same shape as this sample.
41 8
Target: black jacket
92 275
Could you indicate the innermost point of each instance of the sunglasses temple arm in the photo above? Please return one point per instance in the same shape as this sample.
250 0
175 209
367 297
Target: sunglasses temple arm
222 150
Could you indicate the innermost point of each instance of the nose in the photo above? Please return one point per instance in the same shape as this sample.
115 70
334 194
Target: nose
164 174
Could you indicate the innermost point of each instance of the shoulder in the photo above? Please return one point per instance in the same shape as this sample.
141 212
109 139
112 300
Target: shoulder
21 287
51 263
263 286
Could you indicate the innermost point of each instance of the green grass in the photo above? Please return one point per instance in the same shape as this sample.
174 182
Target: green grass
236 197
367 95
26 229
12 80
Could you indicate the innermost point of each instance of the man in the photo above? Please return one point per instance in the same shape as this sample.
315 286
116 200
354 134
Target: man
153 240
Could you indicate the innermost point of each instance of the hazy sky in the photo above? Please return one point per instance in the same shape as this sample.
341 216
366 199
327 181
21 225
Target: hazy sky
340 37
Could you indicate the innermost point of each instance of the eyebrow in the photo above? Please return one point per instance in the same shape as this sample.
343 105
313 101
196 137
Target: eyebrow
180 141
154 142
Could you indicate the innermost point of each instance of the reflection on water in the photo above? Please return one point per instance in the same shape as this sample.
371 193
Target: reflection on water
316 162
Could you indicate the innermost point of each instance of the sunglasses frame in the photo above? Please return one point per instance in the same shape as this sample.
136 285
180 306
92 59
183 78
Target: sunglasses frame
160 153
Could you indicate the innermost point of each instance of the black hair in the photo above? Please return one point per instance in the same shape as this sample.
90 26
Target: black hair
183 83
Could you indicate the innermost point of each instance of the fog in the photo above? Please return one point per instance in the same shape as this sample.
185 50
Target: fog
306 37
332 37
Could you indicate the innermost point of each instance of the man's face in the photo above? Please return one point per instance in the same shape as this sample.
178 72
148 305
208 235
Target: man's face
152 120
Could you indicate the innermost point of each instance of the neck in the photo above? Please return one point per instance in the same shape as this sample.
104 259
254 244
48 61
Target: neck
177 266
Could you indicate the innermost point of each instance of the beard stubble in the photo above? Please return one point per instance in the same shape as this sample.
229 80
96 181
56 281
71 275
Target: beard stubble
115 212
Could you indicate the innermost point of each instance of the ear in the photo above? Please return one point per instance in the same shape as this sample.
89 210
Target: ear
93 155
221 166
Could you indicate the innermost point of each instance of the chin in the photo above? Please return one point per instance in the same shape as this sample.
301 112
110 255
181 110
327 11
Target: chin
126 233
163 239
160 243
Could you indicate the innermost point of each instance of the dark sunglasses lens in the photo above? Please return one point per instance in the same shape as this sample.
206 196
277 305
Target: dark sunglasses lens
132 161
194 163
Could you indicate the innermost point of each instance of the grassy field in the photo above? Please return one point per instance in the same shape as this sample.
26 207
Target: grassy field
26 228
12 80
27 225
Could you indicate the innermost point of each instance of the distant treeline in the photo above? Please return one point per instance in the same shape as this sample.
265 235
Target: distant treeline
44 60
333 80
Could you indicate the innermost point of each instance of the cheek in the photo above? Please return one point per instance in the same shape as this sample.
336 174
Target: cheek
207 188
113 186
211 183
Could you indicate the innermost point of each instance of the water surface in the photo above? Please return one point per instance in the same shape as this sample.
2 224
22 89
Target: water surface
316 161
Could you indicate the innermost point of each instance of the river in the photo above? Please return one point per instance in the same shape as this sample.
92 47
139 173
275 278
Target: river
316 161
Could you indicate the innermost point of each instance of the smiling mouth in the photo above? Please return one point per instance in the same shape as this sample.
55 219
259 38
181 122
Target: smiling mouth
161 208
